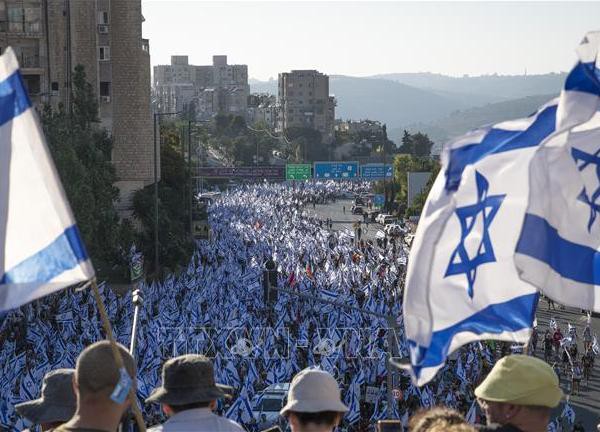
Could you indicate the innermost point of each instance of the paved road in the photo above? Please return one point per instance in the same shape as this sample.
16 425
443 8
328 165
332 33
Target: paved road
343 220
587 403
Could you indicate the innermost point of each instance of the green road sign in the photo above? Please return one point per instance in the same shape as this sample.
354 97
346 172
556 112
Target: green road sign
298 171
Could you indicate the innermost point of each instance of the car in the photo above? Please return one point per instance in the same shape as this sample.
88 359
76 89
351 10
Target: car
268 403
357 209
359 201
388 219
380 217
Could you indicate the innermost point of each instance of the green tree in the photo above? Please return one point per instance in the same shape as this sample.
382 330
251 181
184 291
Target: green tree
175 244
418 144
403 164
81 150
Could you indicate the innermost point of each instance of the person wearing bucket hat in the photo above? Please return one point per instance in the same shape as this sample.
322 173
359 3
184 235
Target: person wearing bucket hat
314 402
57 403
189 394
519 394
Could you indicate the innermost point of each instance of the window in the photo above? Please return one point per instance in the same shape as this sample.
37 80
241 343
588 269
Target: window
33 16
54 86
104 53
105 88
32 82
15 19
102 17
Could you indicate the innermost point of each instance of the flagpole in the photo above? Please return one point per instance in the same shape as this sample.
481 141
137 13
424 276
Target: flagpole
117 355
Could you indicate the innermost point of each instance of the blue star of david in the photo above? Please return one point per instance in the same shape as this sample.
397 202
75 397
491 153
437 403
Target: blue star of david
592 202
460 261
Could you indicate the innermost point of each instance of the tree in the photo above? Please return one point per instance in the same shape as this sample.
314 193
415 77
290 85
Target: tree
403 164
81 150
418 144
175 244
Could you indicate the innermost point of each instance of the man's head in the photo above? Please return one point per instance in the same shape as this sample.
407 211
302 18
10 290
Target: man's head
520 390
57 403
188 382
97 375
440 417
314 401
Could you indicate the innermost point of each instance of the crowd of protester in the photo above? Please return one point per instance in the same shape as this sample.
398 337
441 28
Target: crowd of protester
216 306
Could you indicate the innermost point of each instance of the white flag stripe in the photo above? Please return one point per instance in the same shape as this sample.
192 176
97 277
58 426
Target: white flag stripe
463 283
41 248
560 238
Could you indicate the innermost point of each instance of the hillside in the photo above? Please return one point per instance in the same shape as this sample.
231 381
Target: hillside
495 86
459 122
390 102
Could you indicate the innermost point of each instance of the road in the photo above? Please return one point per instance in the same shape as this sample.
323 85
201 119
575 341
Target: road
587 403
343 220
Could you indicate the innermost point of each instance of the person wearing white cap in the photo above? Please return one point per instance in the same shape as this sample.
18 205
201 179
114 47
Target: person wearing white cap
314 402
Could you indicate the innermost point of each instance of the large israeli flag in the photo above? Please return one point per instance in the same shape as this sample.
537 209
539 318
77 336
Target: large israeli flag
463 284
40 247
558 250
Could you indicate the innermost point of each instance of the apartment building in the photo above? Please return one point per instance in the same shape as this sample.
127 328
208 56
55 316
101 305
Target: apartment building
303 96
212 89
51 37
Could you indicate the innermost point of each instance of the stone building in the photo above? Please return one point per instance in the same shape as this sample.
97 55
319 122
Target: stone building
51 37
214 89
305 102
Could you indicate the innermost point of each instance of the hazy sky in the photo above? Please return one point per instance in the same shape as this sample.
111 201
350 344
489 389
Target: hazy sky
367 38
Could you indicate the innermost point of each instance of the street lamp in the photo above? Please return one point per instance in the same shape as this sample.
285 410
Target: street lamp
156 117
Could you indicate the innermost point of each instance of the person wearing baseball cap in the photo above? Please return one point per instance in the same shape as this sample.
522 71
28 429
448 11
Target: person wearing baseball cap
314 402
57 403
519 394
101 389
189 395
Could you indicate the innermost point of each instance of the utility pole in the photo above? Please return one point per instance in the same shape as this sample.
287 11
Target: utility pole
156 153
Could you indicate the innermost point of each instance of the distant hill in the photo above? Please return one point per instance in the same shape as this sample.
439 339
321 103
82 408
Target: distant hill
495 86
439 105
459 122
388 101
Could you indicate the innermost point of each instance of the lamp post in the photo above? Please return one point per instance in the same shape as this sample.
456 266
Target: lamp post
156 149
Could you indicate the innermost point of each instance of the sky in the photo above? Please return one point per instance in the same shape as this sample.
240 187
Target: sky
369 38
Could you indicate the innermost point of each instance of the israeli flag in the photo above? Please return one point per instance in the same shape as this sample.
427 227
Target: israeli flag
41 250
558 250
463 279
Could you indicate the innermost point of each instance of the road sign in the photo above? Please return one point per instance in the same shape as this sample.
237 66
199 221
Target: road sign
252 172
136 266
379 200
376 171
336 170
298 171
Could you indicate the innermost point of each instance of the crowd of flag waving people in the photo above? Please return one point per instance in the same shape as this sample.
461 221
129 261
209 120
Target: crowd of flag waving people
212 324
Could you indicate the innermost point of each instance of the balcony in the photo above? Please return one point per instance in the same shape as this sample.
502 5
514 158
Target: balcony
28 61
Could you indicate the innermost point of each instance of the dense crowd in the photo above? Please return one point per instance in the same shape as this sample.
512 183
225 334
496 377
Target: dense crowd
217 307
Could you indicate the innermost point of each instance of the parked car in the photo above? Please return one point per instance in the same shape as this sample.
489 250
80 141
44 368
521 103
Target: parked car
356 209
380 217
268 403
388 219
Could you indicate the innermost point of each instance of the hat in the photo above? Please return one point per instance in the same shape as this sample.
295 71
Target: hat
521 380
97 371
58 402
314 390
188 379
